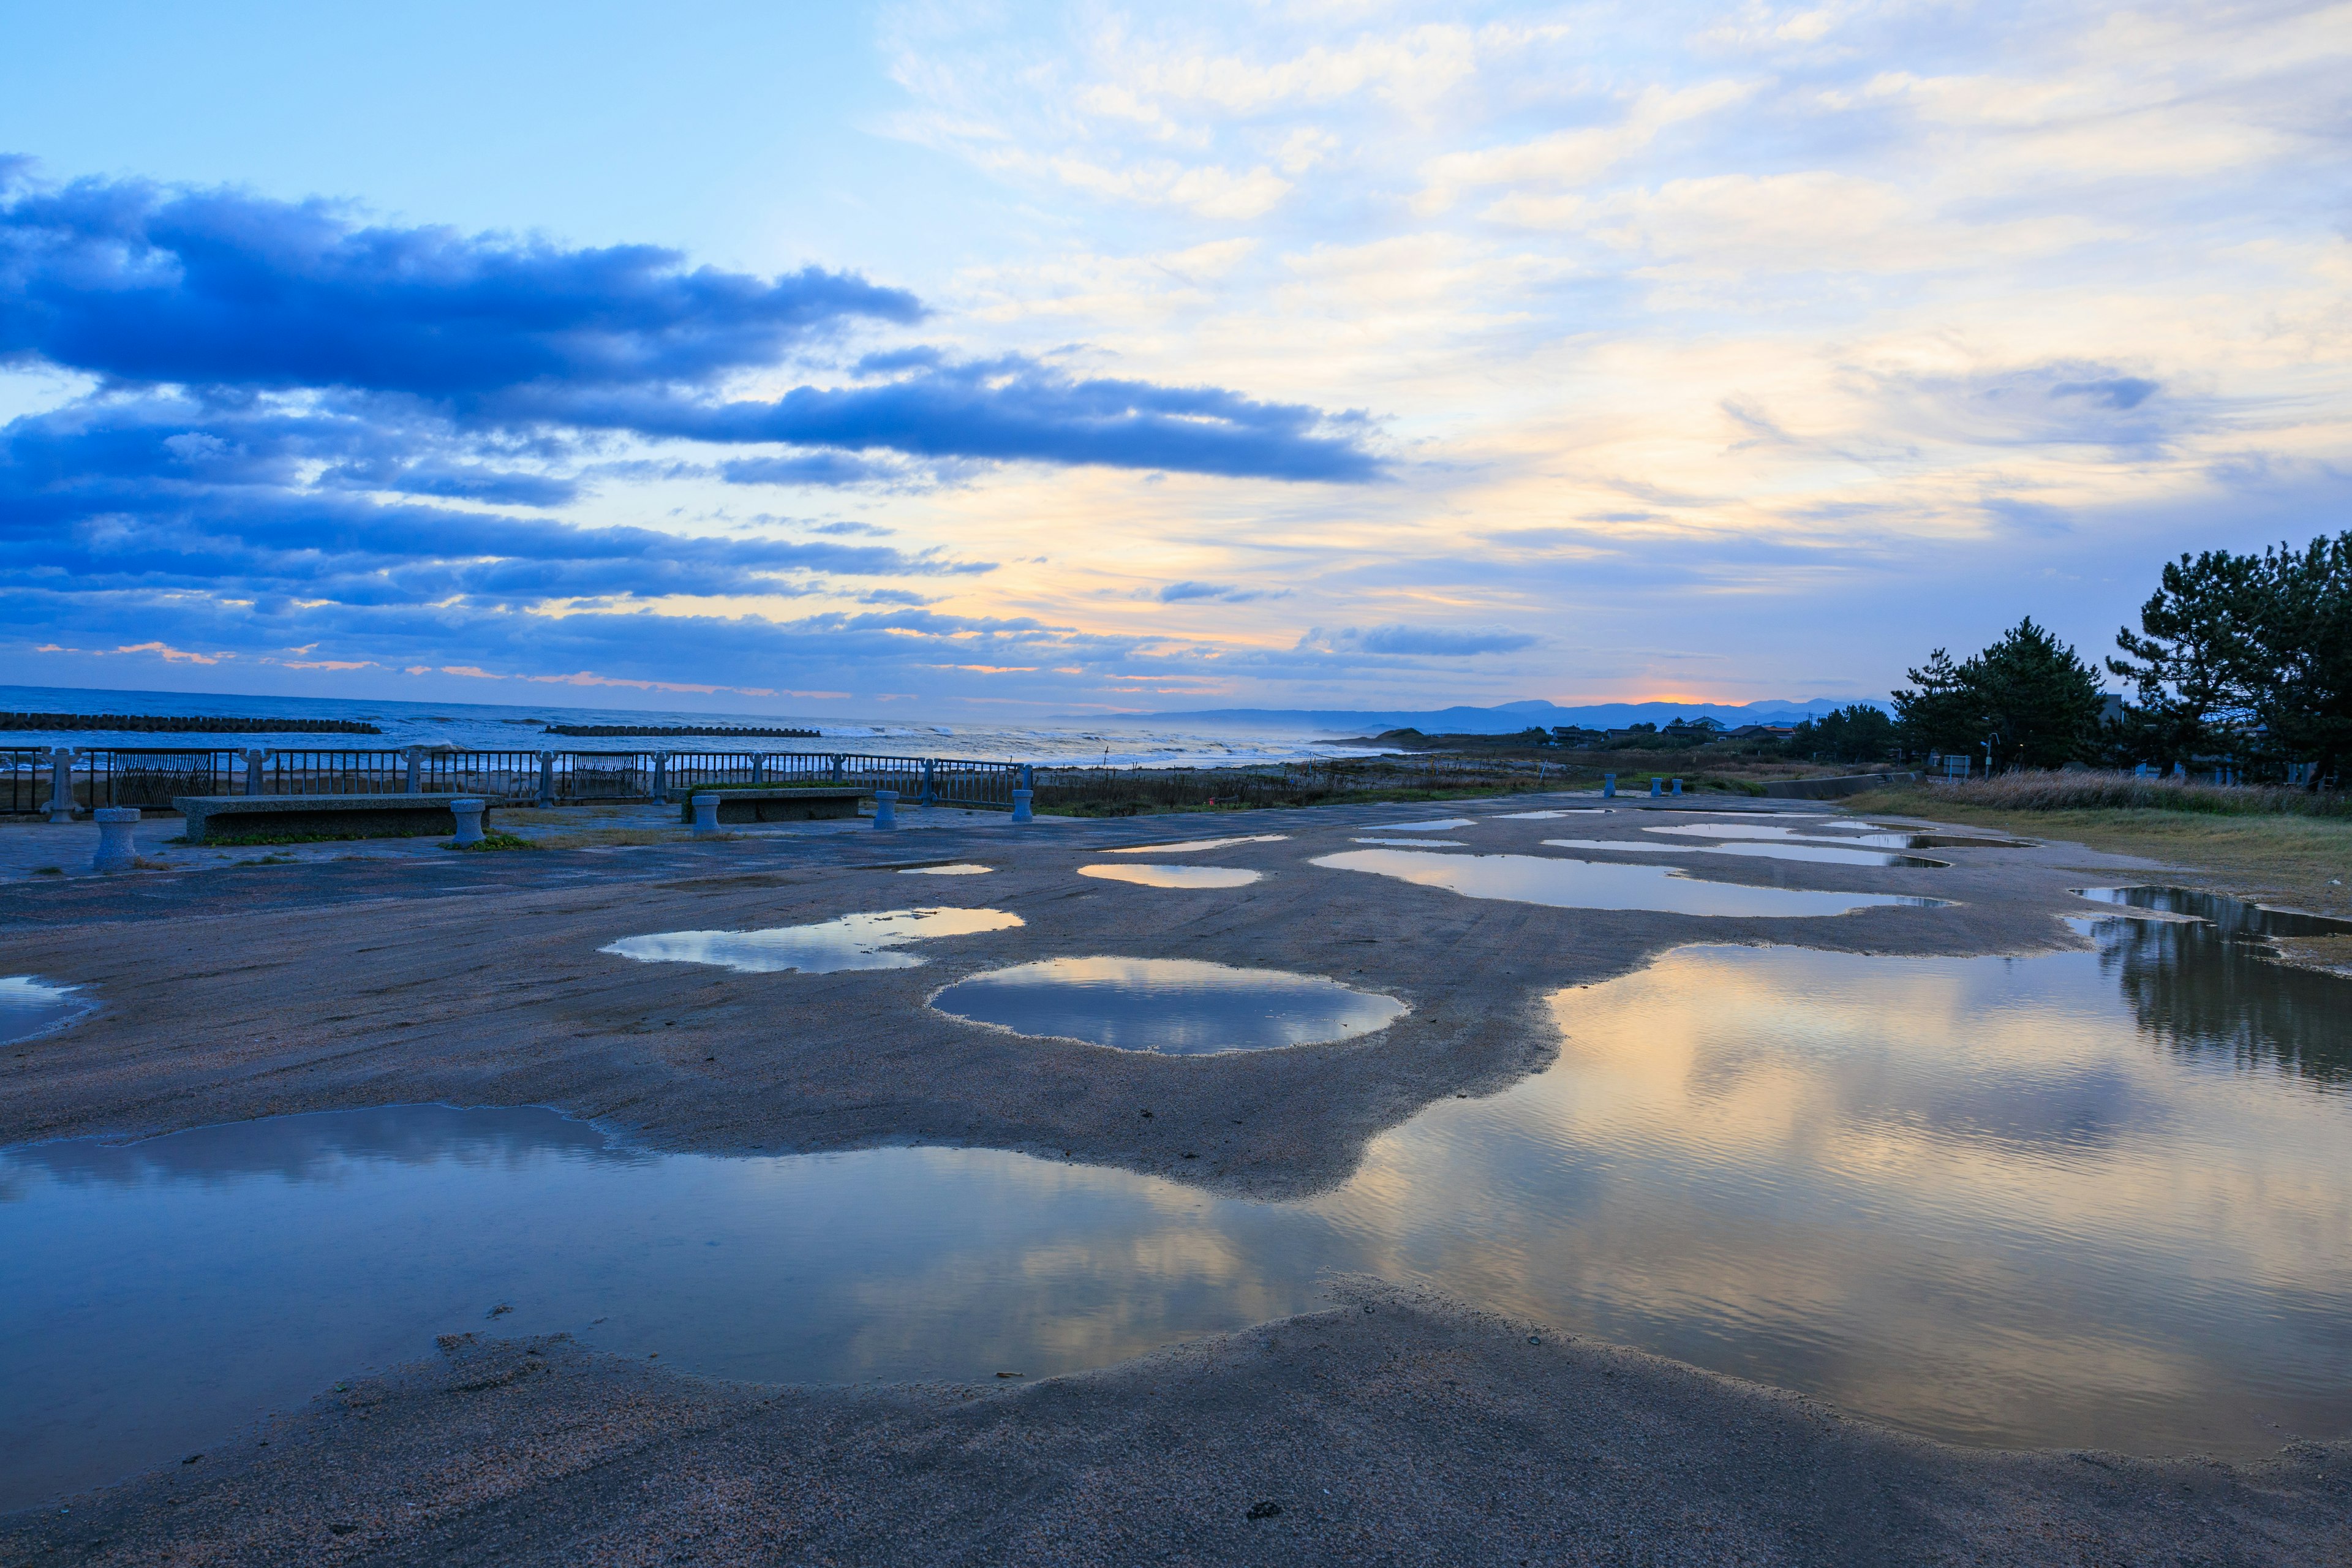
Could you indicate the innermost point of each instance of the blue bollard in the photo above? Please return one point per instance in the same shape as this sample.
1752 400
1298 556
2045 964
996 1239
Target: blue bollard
1609 786
1021 798
1657 788
886 809
469 814
705 814
1678 786
115 850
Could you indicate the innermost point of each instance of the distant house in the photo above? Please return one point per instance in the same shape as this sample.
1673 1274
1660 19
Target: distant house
1771 732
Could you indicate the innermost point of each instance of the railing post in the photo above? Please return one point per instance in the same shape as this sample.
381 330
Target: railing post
759 767
415 785
62 784
930 790
661 775
837 767
547 778
254 762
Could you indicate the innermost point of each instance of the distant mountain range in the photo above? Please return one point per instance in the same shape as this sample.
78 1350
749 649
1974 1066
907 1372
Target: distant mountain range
1505 718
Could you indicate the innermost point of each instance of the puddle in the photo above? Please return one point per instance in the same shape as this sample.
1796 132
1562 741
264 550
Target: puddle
853 942
1414 843
1813 834
1547 815
2080 1199
1176 1006
1442 824
2231 917
30 1007
1175 876
1828 854
1601 885
964 868
1200 845
1832 855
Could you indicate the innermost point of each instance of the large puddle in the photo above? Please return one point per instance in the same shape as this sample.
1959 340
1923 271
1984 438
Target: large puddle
1822 854
2231 917
2093 1198
1177 1006
868 941
30 1007
1599 885
1174 876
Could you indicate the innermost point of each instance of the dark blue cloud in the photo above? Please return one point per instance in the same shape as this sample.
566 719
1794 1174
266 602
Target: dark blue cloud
222 292
170 494
134 282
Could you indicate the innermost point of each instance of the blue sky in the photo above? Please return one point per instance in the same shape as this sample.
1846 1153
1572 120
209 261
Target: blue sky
956 361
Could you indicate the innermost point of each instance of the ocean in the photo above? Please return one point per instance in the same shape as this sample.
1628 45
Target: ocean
488 727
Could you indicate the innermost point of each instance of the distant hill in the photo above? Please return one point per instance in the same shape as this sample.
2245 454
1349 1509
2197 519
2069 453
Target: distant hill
1500 719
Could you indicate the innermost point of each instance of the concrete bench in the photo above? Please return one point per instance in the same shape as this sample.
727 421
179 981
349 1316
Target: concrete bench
213 819
773 804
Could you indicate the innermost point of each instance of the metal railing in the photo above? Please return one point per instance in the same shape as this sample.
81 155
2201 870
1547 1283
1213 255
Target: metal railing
153 777
25 783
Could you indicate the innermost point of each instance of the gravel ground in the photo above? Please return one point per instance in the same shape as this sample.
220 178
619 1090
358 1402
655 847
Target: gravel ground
1390 1429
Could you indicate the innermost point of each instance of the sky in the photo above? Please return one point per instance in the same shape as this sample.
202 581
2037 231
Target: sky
959 361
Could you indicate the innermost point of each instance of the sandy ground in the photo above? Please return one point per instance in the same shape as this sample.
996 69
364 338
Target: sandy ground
1439 1435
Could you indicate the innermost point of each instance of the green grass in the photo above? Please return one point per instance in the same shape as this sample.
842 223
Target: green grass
491 843
2274 857
262 840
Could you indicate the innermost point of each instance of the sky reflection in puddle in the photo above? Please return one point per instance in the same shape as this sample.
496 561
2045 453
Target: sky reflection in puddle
1175 876
1567 884
1442 825
30 1008
1199 846
1414 843
1547 815
961 869
867 941
1825 854
1176 1006
1816 836
2092 1198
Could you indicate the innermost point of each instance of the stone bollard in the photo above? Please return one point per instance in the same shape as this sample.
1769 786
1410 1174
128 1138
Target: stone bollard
115 850
705 814
1021 798
1657 788
62 784
1678 786
886 809
469 814
1609 786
